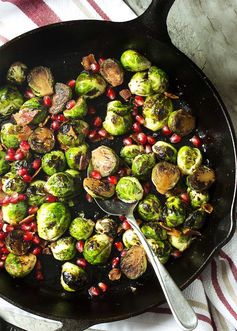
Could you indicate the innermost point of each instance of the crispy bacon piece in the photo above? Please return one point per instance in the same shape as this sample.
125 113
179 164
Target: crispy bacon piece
125 94
87 61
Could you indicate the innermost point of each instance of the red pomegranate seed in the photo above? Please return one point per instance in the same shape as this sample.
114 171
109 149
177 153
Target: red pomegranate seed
10 157
89 198
27 178
111 93
29 94
39 275
36 240
70 104
28 236
2 244
5 200
175 138
166 131
22 197
36 251
142 138
4 250
146 187
36 164
80 246
135 111
176 254
55 125
196 141
9 228
101 60
24 145
140 119
126 225
81 262
2 264
47 101
103 286
103 133
54 117
185 197
71 83
38 265
127 141
19 155
95 174
97 122
95 67
3 257
112 180
33 226
92 134
61 118
91 110
11 151
2 235
148 149
122 218
137 127
115 261
22 171
151 140
93 291
51 198
32 210
13 199
138 100
1 225
25 227
119 245
123 253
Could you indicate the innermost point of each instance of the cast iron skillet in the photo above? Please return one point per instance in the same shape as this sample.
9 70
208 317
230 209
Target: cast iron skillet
61 47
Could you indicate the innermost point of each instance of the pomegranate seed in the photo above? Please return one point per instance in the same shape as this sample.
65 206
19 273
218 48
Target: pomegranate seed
95 67
19 155
2 235
112 180
36 240
140 119
36 164
3 257
55 125
25 227
38 265
137 127
103 286
146 187
1 225
166 131
176 254
95 174
13 199
32 210
70 104
9 228
151 140
24 145
47 101
91 111
81 262
80 246
126 225
54 117
103 133
10 157
122 218
6 200
127 141
27 178
2 244
33 226
196 141
119 245
28 236
11 151
39 275
148 149
22 197
110 93
4 250
97 122
115 261
101 60
134 112
29 94
22 171
71 83
36 251
185 197
2 264
142 138
123 253
175 138
92 134
93 291
61 118
138 100
51 198
89 198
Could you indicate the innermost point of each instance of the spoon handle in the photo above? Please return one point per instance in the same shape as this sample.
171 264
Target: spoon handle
181 310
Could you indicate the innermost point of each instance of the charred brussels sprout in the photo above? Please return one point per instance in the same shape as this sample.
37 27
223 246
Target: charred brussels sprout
189 159
13 213
197 199
149 208
162 249
116 124
81 228
106 226
165 176
53 220
165 151
174 212
119 108
133 61
134 263
130 238
12 183
140 85
129 189
10 100
31 112
53 162
16 244
60 185
201 179
97 249
98 188
104 160
112 72
129 152
142 165
152 230
16 74
62 94
64 249
41 81
90 85
77 181
196 219
36 193
42 140
181 243
4 165
78 111
73 278
181 122
10 135
158 79
78 157
20 266
72 133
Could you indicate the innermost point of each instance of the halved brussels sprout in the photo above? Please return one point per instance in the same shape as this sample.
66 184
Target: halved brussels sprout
16 74
81 228
196 219
140 85
10 100
130 238
162 249
77 180
42 140
165 151
181 122
41 81
142 165
64 249
189 159
165 176
12 183
90 85
97 249
119 108
53 162
72 133
16 244
129 152
36 193
31 112
106 226
73 278
4 165
152 230
181 243
104 160
78 157
112 72
63 94
201 179
149 208
13 213
134 263
78 111
117 125
11 133
175 211
129 189
158 79
60 185
98 188
133 61
197 199
20 266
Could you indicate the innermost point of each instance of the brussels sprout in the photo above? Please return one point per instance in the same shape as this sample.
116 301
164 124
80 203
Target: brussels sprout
20 266
10 135
130 238
53 162
165 176
73 278
97 249
142 165
4 165
12 183
81 228
181 122
15 243
25 163
197 199
158 79
53 220
78 157
16 74
42 140
76 179
98 188
60 185
181 243
165 151
116 124
10 100
149 208
133 61
13 213
40 80
156 110
129 152
152 230
90 85
64 249
140 85
196 219
106 226
162 249
31 112
189 159
72 134
134 263
36 193
112 72
174 212
78 111
63 94
117 107
201 179
129 189
104 160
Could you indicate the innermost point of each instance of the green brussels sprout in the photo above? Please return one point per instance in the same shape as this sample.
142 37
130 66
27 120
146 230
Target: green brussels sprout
165 176
20 266
77 111
10 135
76 179
201 179
72 134
134 263
73 278
106 226
133 61
64 249
158 79
196 219
60 185
81 228
16 244
104 160
152 230
53 162
174 212
129 189
156 110
149 208
36 193
130 238
63 94
53 220
189 159
181 243
97 249
181 122
90 85
112 72
140 85
4 165
117 107
197 199
165 151
12 183
16 74
78 157
31 112
142 165
40 80
42 140
162 249
117 125
13 213
129 152
10 100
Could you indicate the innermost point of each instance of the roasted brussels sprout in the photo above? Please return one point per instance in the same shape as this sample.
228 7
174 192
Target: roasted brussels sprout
77 181
162 249
72 134
189 159
196 219
63 94
53 162
53 220
73 278
174 212
60 185
36 193
98 188
129 152
12 183
40 80
165 151
133 61
149 208
201 179
78 157
165 176
140 85
142 165
90 85
15 243
106 226
10 100
158 79
119 108
78 111
16 74
25 163
104 160
181 122
20 266
112 72
10 135
134 263
116 124
64 249
81 228
97 249
4 165
42 140
181 243
152 230
129 189
130 238
13 213
197 199
31 112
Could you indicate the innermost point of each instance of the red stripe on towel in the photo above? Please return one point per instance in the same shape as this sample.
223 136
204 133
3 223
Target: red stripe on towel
231 263
98 10
3 39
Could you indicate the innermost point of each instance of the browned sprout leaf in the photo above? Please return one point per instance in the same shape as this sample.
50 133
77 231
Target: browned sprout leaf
62 95
112 72
134 263
40 80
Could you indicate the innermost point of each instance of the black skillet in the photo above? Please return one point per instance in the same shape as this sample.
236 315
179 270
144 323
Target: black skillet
61 47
